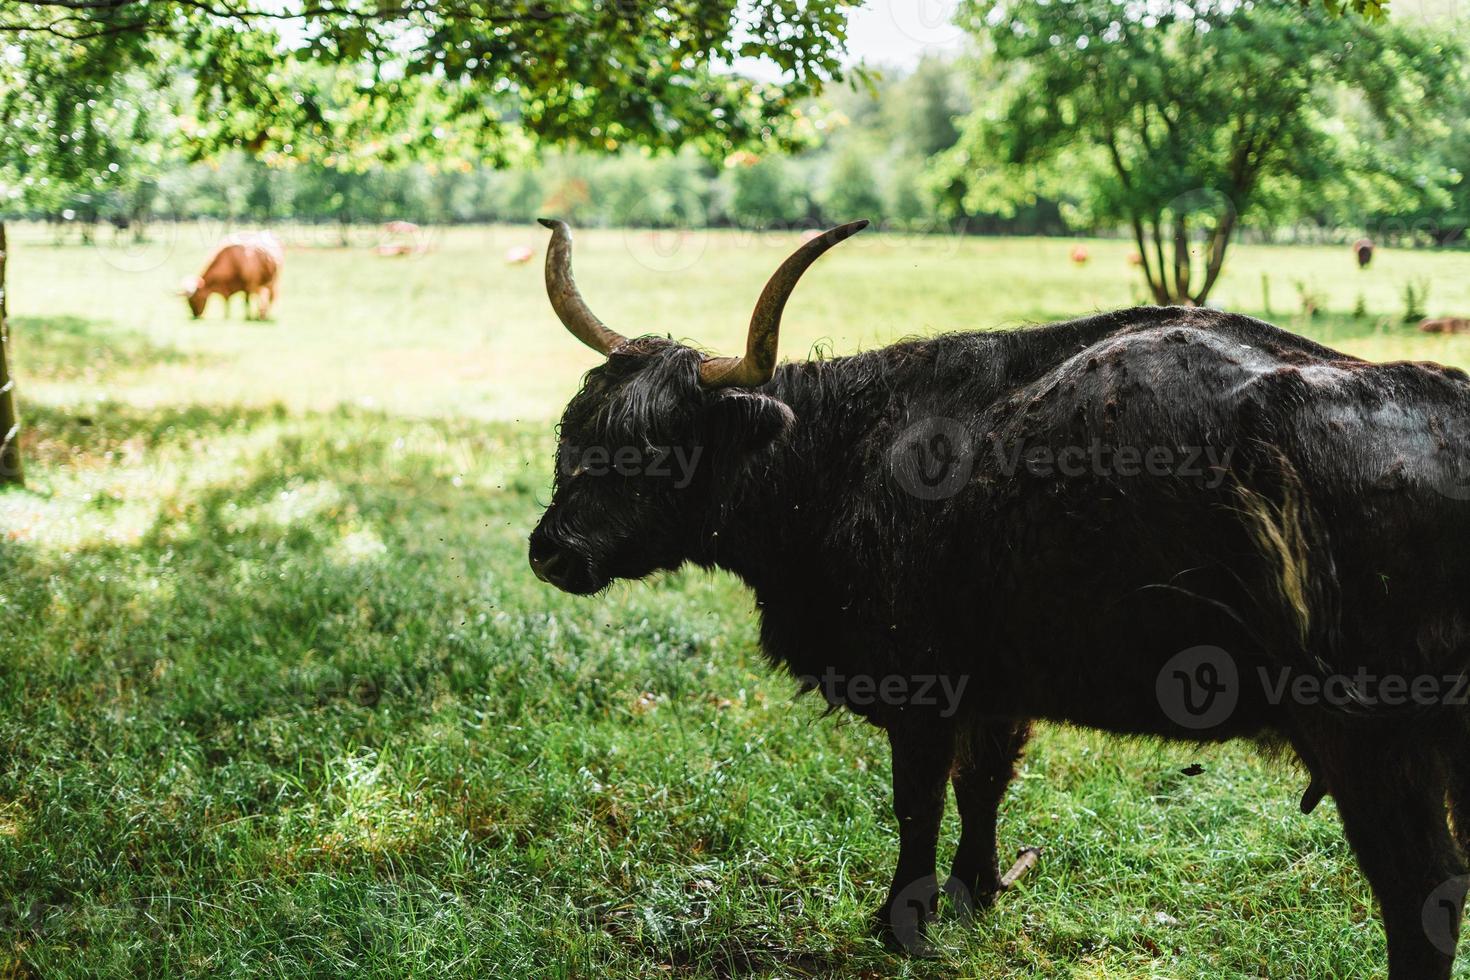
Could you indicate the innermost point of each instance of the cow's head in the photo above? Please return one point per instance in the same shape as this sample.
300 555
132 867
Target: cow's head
192 289
655 431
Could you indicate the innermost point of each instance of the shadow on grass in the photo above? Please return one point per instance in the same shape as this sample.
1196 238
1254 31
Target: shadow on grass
60 436
260 665
72 348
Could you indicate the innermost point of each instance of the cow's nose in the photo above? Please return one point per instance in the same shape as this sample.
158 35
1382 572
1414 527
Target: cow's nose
546 568
546 558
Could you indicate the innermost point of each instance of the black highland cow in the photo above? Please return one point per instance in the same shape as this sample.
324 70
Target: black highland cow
1171 522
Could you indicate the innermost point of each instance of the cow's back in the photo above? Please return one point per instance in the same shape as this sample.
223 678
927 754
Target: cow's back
1298 509
1264 504
247 262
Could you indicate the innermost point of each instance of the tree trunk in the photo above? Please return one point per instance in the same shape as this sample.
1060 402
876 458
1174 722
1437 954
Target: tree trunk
1155 286
1162 280
1166 298
1171 285
10 466
1181 262
1219 242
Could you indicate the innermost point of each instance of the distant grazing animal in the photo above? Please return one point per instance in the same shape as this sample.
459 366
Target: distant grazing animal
248 263
402 238
1445 324
1168 522
1363 250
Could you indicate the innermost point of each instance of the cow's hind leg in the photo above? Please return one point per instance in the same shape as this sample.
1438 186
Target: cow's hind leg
985 759
1390 793
923 752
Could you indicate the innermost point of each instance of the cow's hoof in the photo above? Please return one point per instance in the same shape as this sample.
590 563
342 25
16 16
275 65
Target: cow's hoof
969 902
902 934
902 919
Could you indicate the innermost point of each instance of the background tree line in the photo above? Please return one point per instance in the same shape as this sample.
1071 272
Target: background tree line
918 151
861 149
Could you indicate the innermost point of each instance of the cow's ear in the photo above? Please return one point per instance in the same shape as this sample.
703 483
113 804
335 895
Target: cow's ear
745 421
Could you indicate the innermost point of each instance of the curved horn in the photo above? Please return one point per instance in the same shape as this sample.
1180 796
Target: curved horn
565 299
759 362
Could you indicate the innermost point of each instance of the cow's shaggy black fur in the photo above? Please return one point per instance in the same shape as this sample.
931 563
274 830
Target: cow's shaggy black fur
895 516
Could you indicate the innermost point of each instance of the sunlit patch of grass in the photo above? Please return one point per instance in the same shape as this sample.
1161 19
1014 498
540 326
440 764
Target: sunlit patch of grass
279 695
366 804
11 820
457 332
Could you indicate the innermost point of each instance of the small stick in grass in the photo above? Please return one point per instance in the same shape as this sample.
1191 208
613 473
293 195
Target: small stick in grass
1024 861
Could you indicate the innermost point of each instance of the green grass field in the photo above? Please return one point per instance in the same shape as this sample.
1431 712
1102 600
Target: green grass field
279 696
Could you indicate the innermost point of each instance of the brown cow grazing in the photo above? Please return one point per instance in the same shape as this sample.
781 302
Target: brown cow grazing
248 263
1363 250
402 238
1445 324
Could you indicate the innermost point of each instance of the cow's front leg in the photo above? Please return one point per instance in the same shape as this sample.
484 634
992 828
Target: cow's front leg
985 759
923 753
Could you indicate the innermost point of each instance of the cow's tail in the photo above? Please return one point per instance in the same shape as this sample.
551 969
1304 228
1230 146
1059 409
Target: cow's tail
1287 535
1304 607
